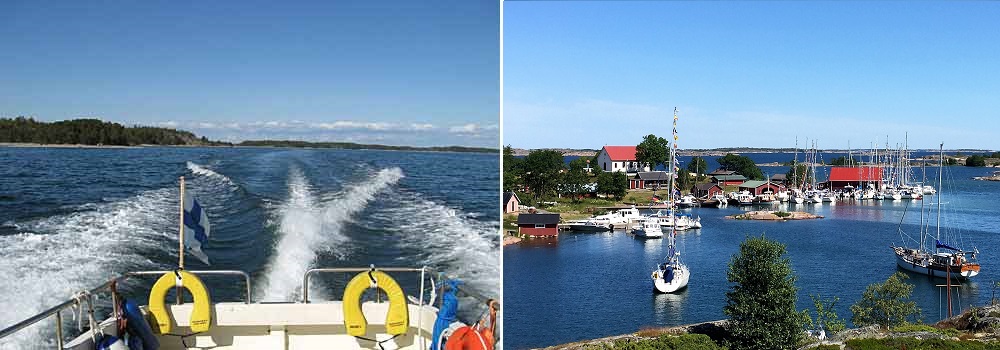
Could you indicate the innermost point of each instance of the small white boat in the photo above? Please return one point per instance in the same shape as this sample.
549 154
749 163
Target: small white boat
687 201
648 228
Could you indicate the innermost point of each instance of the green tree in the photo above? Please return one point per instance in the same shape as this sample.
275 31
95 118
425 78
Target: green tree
843 161
511 170
826 315
975 160
575 179
684 180
542 172
761 300
951 161
798 174
652 151
886 304
742 165
698 166
612 183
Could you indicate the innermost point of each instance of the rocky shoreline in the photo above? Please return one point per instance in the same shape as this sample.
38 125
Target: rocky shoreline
770 215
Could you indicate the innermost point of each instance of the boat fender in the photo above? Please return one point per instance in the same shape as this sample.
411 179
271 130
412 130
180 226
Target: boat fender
397 320
138 327
201 314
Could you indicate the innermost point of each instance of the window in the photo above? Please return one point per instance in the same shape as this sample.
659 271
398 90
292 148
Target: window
539 225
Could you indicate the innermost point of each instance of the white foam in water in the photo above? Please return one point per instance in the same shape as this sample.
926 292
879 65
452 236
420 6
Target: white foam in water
54 257
452 241
209 173
307 227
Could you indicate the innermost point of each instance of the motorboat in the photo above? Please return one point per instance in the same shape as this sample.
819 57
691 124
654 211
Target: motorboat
647 228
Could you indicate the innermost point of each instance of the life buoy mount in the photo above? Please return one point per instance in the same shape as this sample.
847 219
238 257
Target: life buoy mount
397 320
201 314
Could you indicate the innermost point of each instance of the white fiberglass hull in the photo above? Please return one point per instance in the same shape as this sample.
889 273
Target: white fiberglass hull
647 233
680 280
923 268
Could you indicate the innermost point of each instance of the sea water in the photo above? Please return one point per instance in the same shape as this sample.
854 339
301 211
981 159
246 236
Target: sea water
586 285
71 219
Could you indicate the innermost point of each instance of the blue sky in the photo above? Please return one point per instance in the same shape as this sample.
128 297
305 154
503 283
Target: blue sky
756 74
391 72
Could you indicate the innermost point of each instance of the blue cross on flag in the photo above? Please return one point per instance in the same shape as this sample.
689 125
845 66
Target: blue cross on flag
196 228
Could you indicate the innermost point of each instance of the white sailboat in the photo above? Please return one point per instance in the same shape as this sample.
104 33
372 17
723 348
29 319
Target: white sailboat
671 275
950 262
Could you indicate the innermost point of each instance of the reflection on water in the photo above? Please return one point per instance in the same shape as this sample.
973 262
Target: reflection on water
669 308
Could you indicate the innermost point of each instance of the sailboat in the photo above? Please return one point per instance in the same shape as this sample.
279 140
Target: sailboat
671 275
943 261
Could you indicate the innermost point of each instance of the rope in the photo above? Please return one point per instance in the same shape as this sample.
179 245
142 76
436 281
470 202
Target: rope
379 343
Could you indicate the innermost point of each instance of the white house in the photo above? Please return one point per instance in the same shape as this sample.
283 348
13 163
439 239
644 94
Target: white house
619 158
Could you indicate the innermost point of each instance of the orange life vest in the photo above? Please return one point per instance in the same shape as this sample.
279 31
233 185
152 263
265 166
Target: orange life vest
476 337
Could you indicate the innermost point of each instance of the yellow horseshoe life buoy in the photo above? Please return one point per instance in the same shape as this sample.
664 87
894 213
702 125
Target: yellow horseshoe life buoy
201 315
397 320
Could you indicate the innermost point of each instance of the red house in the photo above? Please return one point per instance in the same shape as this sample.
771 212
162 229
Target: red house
728 180
857 177
760 187
538 225
705 190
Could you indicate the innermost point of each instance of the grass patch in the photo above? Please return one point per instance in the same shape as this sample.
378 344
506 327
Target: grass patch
827 347
782 214
665 342
907 328
917 344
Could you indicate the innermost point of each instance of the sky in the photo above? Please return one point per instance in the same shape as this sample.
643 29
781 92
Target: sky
752 74
394 72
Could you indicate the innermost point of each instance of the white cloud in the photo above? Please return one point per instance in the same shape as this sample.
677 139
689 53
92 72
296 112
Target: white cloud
470 128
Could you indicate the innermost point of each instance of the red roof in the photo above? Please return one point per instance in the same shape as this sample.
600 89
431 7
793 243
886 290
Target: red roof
855 174
620 153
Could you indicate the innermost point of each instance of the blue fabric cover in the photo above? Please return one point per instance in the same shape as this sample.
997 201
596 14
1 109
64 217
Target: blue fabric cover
448 312
137 327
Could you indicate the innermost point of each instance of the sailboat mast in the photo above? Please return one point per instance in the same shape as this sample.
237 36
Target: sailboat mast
674 168
940 176
795 163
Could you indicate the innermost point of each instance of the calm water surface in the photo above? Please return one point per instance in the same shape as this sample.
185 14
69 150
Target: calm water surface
587 286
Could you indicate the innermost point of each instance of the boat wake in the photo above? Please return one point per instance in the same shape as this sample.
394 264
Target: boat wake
307 226
450 240
201 170
52 258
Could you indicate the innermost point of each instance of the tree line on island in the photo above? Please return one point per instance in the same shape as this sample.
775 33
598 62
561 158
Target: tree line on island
544 174
97 132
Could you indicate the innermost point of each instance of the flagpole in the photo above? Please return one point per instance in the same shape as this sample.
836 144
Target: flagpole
180 249
180 263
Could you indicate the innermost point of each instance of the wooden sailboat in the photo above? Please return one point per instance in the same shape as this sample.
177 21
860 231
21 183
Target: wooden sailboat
943 261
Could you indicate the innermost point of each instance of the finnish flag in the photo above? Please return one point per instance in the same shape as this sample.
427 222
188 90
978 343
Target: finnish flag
196 228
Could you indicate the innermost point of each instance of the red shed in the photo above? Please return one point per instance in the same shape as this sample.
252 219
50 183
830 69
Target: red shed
858 177
706 190
758 187
538 225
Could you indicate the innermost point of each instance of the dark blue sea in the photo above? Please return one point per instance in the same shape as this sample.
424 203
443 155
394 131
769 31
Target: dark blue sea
586 286
71 219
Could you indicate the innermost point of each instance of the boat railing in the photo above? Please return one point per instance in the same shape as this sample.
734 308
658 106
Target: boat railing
424 273
87 296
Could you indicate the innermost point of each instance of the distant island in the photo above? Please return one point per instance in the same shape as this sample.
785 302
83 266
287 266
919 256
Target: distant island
351 145
95 132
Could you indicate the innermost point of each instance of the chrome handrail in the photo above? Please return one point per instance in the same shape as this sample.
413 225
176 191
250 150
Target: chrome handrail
472 292
56 310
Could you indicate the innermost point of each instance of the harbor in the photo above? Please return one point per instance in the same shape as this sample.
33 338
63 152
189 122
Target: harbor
854 235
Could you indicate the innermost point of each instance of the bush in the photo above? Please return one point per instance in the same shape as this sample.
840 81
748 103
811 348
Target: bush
665 342
917 344
761 299
782 214
909 327
886 304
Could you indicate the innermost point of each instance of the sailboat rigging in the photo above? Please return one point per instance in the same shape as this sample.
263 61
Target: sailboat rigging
671 275
944 260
